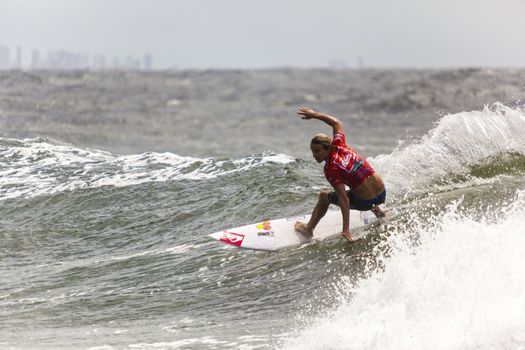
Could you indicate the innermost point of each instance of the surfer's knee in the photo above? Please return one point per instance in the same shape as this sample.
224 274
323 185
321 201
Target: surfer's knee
323 197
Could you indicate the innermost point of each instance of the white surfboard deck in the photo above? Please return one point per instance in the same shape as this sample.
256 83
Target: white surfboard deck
277 234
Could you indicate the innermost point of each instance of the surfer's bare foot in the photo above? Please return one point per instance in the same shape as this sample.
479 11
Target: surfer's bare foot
303 229
378 212
347 235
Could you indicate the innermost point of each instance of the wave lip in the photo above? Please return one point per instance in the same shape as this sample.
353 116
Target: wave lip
35 167
457 142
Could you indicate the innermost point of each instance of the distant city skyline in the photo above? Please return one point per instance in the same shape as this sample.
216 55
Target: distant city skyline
63 59
274 33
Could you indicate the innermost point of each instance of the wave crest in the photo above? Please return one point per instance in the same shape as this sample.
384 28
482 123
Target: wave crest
34 167
457 144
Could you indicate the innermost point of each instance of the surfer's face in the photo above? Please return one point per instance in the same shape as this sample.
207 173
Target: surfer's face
319 152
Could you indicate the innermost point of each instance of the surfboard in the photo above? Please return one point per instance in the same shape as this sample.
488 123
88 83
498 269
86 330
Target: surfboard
271 235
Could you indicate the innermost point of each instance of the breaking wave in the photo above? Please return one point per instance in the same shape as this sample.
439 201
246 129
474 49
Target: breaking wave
35 167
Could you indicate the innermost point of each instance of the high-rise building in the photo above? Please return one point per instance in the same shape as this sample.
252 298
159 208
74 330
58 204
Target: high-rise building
102 62
148 62
35 60
98 62
360 63
18 62
4 57
115 64
67 60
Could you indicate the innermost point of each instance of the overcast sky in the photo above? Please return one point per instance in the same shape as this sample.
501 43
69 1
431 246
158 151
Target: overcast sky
275 33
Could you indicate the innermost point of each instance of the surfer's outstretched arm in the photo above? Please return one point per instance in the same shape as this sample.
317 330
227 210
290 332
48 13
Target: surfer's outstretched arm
309 113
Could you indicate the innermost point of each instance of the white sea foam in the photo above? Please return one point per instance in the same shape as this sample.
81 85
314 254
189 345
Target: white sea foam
30 168
178 249
462 287
184 343
457 142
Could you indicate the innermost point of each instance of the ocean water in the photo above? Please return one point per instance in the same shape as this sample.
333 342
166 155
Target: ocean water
110 183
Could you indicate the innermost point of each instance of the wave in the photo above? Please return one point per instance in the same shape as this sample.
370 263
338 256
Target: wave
459 145
460 287
447 277
34 167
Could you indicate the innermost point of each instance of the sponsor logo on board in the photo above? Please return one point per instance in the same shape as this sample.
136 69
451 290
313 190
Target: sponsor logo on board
295 218
264 226
232 238
266 234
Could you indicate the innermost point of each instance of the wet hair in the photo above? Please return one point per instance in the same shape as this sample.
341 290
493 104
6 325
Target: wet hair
323 140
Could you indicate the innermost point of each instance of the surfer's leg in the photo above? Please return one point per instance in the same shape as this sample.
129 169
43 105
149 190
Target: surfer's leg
319 211
378 212
369 204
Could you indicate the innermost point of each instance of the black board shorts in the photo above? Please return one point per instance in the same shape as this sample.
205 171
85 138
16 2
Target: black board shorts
358 203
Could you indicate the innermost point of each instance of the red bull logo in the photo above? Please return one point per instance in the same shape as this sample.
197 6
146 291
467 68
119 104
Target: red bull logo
264 226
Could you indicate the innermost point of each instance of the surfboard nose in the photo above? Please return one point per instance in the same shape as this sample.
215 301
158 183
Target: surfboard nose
232 238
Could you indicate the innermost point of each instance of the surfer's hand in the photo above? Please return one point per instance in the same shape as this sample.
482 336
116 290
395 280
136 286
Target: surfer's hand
346 234
307 113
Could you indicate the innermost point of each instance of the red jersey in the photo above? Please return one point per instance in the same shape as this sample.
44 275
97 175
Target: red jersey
345 165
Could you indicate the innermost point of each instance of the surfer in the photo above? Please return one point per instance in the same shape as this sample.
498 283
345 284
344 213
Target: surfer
343 166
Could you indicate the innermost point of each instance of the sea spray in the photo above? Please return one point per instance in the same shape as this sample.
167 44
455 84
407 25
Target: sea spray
457 142
461 287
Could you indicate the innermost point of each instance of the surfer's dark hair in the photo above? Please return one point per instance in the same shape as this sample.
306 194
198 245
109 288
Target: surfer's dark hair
323 140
